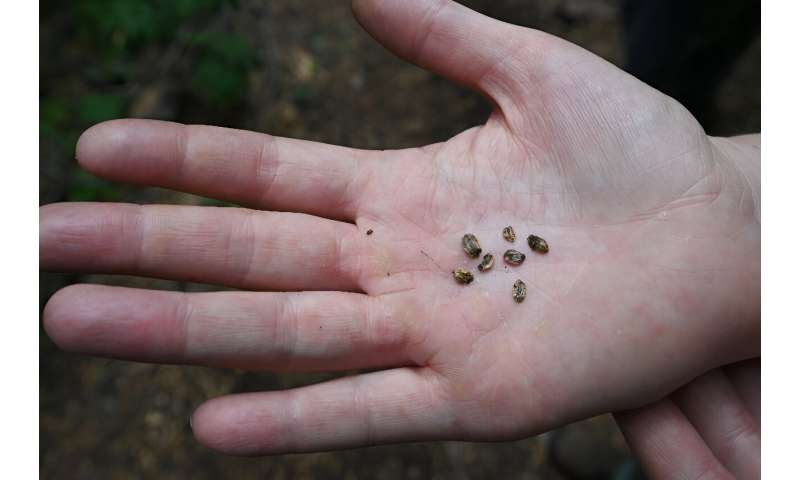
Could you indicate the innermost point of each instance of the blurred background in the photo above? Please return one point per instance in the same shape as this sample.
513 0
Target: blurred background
306 69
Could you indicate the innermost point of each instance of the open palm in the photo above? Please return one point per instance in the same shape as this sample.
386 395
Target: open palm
653 234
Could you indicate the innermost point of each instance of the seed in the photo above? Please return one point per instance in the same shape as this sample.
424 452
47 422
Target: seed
463 276
369 232
519 291
487 263
513 257
471 245
538 244
508 234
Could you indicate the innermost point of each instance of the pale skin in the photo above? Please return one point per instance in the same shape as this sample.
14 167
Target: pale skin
652 277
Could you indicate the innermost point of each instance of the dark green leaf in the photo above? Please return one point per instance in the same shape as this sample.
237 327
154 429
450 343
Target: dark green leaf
84 187
100 107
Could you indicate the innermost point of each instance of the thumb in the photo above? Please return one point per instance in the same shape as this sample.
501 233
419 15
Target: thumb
493 57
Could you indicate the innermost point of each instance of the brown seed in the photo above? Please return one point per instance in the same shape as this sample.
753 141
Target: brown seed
520 291
463 276
508 234
369 232
513 257
487 263
471 245
538 244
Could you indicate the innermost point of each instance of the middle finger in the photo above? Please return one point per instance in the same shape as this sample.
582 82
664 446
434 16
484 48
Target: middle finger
234 247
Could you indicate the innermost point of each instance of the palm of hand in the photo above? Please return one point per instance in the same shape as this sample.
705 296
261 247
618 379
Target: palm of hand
602 196
637 206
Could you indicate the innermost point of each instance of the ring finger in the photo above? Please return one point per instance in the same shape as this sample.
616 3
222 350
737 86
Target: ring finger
301 331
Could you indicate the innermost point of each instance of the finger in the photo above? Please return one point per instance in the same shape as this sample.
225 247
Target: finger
391 406
746 379
226 246
667 445
718 414
256 331
248 168
460 44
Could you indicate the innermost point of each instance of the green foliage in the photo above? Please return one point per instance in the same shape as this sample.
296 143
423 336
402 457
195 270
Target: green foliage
118 38
83 187
183 9
53 111
213 202
124 25
96 108
120 28
302 95
58 119
61 117
220 75
229 46
123 22
53 115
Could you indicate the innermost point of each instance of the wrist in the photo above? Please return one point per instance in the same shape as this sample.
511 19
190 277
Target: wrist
743 154
740 163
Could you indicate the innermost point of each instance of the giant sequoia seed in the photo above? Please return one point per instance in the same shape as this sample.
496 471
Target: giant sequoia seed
513 257
487 263
538 244
520 291
471 245
508 234
463 276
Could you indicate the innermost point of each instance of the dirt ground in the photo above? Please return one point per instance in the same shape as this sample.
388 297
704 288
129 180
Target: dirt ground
316 75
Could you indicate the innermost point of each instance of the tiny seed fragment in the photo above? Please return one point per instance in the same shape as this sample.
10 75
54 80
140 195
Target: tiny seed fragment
463 276
513 257
369 232
508 234
471 245
519 291
487 263
538 244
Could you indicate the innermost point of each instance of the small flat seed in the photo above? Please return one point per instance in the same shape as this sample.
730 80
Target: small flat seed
369 232
471 245
513 257
463 276
487 263
508 234
538 244
520 291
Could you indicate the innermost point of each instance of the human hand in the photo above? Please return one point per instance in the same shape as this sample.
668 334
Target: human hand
713 425
652 277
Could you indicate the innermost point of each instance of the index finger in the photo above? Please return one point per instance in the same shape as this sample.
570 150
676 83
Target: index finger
248 168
